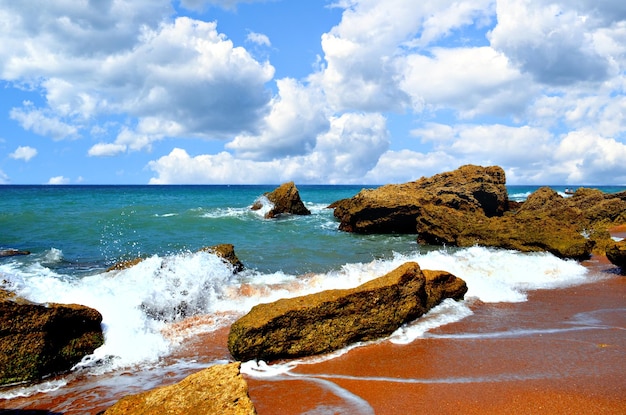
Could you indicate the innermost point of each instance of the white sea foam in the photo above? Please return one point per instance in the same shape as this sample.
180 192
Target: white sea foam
138 304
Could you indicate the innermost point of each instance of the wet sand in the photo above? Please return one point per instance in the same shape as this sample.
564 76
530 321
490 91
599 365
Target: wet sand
561 352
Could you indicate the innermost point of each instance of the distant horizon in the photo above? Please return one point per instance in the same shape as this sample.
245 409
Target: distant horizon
319 91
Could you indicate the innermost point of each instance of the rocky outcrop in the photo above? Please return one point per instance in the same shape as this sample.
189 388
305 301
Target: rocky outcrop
285 199
616 253
227 253
394 208
220 389
38 340
329 320
567 227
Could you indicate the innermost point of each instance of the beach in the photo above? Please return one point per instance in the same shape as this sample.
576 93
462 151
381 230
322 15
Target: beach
560 352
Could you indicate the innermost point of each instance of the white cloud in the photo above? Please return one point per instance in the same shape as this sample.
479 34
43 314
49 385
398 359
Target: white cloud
553 42
362 66
343 154
58 180
24 153
297 116
182 71
43 122
259 39
106 149
473 80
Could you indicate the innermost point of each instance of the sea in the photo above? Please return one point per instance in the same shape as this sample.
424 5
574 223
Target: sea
75 233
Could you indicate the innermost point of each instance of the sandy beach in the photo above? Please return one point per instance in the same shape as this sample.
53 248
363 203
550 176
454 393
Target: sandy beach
560 352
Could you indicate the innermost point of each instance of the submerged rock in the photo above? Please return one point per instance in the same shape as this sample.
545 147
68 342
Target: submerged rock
38 340
393 208
285 200
329 320
220 389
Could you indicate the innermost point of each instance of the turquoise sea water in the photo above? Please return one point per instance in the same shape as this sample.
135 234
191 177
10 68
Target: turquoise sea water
75 232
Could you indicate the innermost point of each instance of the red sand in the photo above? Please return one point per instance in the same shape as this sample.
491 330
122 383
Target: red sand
558 368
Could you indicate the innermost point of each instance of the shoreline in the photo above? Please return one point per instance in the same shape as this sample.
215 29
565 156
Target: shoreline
561 351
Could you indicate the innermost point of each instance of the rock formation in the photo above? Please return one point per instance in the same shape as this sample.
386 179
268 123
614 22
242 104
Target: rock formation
285 199
227 253
393 208
329 320
220 389
616 253
38 340
566 227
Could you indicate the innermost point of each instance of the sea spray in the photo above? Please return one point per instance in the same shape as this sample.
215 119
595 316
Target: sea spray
141 305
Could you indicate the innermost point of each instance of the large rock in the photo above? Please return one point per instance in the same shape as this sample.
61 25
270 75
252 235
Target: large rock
616 253
284 199
38 340
567 227
394 208
330 320
220 389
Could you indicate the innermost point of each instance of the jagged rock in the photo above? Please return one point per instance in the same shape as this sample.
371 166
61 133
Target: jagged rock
285 199
227 253
37 340
12 252
330 320
616 253
394 208
571 227
220 389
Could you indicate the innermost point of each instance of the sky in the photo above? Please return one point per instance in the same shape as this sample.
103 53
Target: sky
315 91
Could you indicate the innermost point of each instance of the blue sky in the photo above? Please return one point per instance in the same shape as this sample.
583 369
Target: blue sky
316 91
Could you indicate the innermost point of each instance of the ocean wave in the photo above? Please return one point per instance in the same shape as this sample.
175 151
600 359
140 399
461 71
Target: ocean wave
149 308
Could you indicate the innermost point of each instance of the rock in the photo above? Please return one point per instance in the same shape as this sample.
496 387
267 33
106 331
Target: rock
329 320
571 227
227 253
440 225
616 253
37 340
124 264
394 208
220 389
12 252
285 199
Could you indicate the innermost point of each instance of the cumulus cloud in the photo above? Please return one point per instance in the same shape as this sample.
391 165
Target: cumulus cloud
126 59
553 42
343 154
43 122
24 153
58 180
297 116
362 68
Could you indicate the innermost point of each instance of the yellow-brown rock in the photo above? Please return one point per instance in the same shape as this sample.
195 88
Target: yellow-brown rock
393 208
285 199
38 340
329 320
616 253
218 390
